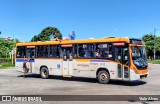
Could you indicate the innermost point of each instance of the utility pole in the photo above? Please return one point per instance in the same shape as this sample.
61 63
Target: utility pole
155 43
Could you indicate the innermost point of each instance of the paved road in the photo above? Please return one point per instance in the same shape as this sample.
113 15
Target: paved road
12 83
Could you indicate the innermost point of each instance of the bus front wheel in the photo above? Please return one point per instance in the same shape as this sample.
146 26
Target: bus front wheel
44 72
103 77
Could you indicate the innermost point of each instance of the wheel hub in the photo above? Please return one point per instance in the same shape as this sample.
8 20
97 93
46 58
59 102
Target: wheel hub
103 76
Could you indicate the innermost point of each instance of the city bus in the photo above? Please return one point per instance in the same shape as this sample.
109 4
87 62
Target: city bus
105 59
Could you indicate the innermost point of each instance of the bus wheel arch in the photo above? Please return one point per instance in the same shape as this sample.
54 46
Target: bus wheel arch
103 75
44 72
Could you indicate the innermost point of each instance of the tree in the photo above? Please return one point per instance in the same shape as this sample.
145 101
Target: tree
148 37
158 46
149 43
6 47
45 33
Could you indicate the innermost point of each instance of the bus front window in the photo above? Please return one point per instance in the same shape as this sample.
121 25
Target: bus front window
139 57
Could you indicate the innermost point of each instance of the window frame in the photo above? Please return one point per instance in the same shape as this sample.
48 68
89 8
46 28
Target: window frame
49 51
77 56
24 51
112 48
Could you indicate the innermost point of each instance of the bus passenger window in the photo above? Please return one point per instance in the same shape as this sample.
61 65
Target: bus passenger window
42 51
82 53
103 50
126 58
86 50
21 51
75 50
118 54
70 57
64 58
54 51
18 55
97 53
110 55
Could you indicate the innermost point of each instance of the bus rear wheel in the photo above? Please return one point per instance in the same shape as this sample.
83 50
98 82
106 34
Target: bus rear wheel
44 72
103 77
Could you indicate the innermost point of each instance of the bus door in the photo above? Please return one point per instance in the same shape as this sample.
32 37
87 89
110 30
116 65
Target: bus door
122 57
30 58
67 69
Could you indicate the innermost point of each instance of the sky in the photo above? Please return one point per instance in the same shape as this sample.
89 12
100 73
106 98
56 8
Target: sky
22 19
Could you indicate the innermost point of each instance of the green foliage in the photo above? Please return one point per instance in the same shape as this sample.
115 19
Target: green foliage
45 33
149 42
154 61
148 37
150 47
5 48
158 45
2 60
6 65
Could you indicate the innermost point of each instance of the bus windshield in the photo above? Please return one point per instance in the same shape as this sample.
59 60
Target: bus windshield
139 57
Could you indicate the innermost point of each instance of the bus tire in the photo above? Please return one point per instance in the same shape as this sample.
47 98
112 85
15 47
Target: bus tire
44 72
103 77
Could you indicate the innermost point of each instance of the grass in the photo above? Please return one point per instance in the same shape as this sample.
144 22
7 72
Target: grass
154 61
6 65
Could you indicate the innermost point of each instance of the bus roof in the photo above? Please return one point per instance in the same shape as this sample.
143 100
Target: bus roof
103 40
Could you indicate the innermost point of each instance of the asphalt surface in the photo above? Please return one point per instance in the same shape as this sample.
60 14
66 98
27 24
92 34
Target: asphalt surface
13 83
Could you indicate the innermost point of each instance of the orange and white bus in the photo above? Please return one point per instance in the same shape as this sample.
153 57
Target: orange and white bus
104 59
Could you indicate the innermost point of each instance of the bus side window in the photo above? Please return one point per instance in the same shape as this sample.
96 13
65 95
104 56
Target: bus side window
81 52
75 51
42 51
110 55
21 51
86 50
103 50
118 54
126 58
54 51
